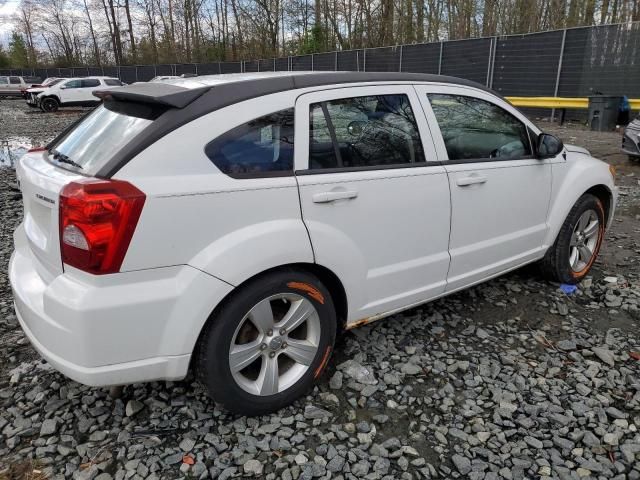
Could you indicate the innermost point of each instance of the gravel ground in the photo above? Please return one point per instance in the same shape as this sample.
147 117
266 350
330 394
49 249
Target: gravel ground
512 379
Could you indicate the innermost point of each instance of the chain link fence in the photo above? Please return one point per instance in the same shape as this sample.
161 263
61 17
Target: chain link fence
574 62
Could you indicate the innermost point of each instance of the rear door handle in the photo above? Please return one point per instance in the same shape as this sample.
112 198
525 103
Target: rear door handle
471 180
327 197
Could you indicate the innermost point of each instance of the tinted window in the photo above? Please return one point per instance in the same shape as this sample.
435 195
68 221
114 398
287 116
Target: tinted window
112 82
90 82
14 80
261 146
73 84
98 137
367 131
476 129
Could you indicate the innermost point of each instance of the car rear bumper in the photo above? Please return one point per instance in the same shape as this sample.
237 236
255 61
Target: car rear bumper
113 329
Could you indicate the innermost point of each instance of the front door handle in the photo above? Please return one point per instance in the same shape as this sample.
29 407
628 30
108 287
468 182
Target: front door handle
471 180
327 197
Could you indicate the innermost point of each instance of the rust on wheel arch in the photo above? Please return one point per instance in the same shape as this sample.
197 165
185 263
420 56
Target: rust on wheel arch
310 289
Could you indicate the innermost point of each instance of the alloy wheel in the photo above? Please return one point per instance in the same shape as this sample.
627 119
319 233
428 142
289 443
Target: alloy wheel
584 240
274 344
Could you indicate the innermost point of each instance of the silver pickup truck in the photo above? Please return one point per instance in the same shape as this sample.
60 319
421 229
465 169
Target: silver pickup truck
12 86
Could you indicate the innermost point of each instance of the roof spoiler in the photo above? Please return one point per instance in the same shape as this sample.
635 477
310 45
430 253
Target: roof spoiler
164 94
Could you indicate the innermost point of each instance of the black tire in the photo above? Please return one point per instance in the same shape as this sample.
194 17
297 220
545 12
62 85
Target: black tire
49 104
212 353
556 263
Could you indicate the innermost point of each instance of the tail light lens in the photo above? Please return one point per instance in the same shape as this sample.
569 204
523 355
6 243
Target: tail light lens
97 220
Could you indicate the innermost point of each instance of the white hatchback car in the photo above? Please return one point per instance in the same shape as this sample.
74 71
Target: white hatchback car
72 92
233 224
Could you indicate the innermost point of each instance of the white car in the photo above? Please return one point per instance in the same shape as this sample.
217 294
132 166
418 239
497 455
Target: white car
74 92
234 224
31 94
162 78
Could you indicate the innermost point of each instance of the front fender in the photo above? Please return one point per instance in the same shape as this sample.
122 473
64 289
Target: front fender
243 253
572 179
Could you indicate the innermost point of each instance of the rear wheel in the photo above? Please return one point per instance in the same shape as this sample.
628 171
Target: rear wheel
578 243
268 343
49 104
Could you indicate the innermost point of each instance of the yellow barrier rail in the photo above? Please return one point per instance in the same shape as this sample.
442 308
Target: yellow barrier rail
560 102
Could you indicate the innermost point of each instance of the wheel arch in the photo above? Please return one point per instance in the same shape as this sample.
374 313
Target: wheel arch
328 278
605 195
51 95
565 203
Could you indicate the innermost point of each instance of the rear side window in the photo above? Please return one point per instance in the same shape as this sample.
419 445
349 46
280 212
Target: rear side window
372 131
474 129
90 82
93 142
14 80
73 84
112 82
259 148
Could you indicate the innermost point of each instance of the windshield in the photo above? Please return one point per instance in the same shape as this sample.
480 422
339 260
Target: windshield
90 145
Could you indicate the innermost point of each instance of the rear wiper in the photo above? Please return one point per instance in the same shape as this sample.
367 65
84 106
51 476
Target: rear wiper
62 158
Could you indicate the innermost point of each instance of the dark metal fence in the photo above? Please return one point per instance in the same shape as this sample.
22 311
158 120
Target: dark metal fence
574 62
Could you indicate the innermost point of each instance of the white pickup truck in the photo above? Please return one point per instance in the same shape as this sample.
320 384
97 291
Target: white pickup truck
12 86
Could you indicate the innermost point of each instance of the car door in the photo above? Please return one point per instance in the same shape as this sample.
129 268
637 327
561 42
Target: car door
15 84
374 201
4 85
89 85
71 91
500 192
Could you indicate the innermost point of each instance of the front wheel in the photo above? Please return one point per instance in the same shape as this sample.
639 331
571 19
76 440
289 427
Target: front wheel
578 243
49 104
268 342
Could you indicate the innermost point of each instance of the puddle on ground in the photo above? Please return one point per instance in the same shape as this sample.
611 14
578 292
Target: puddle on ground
11 149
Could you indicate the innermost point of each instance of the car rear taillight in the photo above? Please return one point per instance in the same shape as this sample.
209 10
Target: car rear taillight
97 220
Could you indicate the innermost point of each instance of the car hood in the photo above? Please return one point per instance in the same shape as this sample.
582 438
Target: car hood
576 149
36 90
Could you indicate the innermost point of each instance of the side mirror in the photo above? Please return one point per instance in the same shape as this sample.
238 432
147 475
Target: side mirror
548 146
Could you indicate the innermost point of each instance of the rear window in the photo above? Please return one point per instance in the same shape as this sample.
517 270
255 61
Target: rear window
88 146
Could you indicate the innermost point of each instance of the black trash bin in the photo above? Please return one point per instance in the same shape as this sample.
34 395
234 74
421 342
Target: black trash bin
603 112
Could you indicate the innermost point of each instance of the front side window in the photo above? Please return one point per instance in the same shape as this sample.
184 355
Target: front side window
475 129
73 84
3 81
371 131
14 80
90 82
260 147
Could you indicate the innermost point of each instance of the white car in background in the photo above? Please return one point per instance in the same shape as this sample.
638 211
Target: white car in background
163 78
31 94
177 227
74 92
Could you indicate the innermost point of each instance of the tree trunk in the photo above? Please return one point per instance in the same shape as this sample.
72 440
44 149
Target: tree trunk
132 39
96 50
